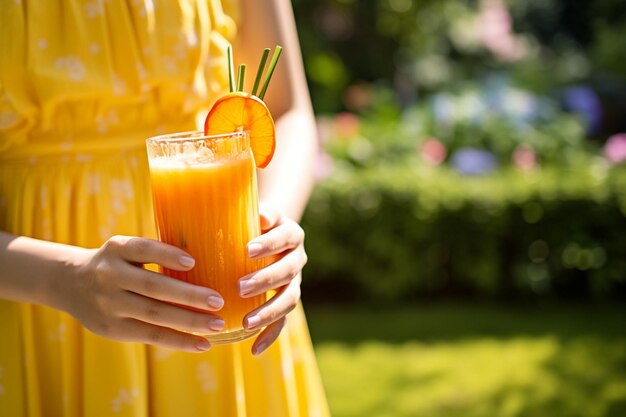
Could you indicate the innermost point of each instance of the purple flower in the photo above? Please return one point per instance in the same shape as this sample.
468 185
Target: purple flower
584 101
472 161
615 148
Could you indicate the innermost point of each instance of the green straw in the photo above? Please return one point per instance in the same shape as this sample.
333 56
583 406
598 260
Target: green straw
231 69
240 76
270 70
259 72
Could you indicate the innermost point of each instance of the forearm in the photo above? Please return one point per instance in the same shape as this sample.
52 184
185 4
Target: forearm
288 180
30 268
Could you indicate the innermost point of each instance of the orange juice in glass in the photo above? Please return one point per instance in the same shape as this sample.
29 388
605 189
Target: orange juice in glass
206 203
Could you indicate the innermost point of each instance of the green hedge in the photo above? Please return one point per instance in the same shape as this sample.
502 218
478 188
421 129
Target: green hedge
393 232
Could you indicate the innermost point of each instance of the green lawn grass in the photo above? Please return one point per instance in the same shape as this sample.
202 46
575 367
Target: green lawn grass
471 361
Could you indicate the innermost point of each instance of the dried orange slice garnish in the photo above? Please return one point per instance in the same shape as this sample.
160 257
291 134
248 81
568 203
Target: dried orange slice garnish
239 111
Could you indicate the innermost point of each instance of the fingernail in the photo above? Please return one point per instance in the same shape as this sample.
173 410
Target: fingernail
215 302
203 345
186 261
216 324
254 249
246 286
253 322
260 348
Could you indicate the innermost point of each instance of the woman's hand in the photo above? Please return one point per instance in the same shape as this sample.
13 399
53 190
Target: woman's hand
282 240
113 296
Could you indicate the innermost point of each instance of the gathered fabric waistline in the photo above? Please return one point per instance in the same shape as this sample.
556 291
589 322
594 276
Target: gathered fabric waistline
93 144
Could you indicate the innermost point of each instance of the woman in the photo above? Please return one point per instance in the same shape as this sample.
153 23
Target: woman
82 85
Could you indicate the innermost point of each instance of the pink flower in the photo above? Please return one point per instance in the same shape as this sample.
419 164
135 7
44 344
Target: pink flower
433 151
347 125
615 148
324 166
358 96
495 29
524 158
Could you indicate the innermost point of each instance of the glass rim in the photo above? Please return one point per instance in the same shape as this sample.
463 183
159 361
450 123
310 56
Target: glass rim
192 135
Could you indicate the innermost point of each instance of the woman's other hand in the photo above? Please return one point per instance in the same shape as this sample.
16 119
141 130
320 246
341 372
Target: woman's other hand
281 241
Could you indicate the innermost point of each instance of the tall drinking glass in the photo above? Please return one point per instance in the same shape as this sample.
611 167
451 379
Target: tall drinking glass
206 203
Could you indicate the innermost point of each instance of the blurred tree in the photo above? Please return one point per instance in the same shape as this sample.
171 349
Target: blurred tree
419 47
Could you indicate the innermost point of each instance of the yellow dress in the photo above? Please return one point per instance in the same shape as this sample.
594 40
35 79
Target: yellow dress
82 84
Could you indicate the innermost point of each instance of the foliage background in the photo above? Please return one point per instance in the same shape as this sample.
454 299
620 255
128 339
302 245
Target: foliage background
466 236
463 148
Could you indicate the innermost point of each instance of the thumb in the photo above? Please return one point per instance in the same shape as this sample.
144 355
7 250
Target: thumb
270 217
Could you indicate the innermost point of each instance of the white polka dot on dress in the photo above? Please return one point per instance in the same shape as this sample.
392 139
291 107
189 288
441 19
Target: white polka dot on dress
83 157
94 9
141 71
66 146
170 64
124 398
118 206
73 66
205 374
93 184
119 85
123 188
161 354
7 119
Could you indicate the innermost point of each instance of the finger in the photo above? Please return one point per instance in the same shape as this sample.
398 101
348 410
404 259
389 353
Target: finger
143 250
270 217
286 236
268 336
162 314
273 276
285 300
161 287
136 331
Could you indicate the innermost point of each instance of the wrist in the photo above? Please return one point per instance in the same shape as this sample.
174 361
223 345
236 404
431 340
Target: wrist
36 271
65 269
